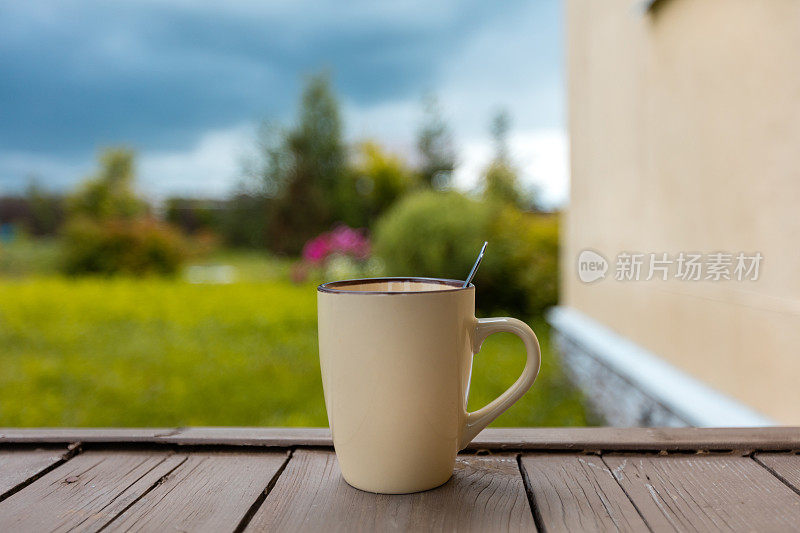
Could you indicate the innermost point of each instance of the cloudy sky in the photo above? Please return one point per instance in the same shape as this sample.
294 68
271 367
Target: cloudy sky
185 82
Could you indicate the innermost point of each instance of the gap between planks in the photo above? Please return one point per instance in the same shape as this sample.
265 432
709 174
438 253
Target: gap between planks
251 512
537 517
785 467
627 495
576 492
143 494
71 450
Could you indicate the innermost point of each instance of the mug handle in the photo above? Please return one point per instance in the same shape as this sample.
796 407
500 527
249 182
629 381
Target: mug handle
484 327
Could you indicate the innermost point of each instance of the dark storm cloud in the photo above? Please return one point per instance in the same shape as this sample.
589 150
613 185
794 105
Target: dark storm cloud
156 74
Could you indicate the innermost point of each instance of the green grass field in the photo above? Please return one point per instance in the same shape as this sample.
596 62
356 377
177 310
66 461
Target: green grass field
163 352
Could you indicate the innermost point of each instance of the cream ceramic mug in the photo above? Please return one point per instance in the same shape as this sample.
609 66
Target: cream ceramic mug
396 358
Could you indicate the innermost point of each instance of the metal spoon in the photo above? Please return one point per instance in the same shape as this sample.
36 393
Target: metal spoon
476 265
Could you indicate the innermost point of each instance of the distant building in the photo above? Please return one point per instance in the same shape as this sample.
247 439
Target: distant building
684 119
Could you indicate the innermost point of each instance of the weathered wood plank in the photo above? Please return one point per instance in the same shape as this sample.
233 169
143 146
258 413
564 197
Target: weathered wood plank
639 439
563 439
246 436
784 465
70 435
578 493
706 492
18 466
208 492
86 492
486 493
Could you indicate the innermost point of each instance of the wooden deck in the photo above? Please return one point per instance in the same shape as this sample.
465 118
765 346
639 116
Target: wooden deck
237 479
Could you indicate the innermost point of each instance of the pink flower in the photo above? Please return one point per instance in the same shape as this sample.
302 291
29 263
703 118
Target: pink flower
341 240
349 241
317 249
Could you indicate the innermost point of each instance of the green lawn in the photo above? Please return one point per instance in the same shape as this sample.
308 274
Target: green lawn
163 352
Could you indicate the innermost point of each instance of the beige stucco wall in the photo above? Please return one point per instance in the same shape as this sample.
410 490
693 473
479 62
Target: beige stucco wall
685 136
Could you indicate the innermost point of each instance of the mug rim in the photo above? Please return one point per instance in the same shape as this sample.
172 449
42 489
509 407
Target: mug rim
331 286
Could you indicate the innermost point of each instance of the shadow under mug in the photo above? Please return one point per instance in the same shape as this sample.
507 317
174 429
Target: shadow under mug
396 359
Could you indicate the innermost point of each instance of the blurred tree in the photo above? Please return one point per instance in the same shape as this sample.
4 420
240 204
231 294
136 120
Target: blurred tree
375 181
500 182
300 170
109 230
109 194
245 218
499 128
194 215
435 145
46 209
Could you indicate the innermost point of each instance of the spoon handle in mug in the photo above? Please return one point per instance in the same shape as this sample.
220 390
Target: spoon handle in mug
478 420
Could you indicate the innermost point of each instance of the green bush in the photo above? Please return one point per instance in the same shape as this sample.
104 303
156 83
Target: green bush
520 270
439 234
432 234
124 246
